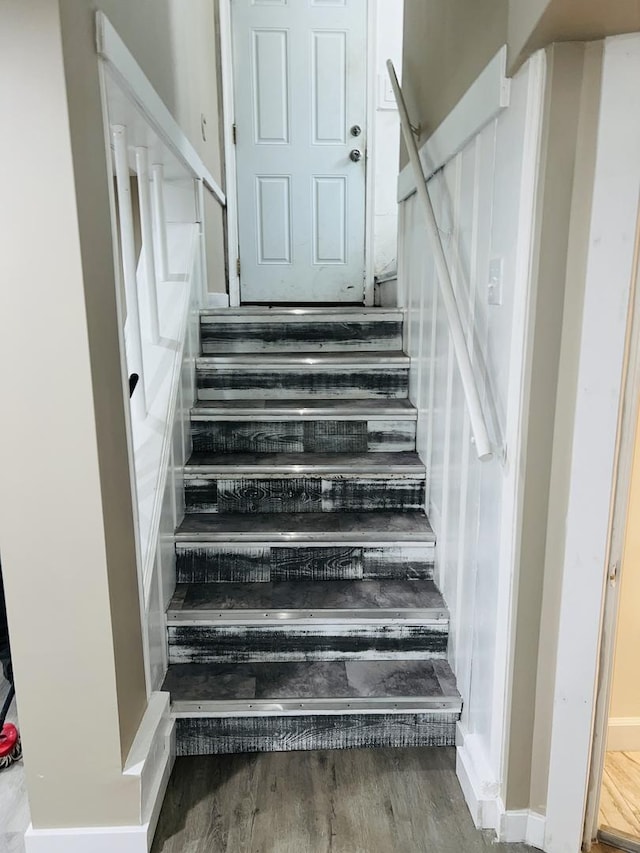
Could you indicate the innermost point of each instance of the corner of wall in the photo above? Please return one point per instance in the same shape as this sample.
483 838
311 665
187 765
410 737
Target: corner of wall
149 765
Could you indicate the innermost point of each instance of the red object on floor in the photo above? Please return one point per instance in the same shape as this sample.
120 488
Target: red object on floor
9 737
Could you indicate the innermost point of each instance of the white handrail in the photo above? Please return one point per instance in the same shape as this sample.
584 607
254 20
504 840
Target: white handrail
472 396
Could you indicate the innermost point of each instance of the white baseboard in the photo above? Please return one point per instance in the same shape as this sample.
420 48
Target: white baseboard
107 839
536 826
623 734
480 788
482 795
151 759
217 300
521 826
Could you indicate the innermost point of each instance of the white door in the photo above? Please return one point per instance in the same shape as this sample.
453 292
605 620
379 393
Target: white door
300 108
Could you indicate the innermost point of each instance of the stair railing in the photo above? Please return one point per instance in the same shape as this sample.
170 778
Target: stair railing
129 157
479 429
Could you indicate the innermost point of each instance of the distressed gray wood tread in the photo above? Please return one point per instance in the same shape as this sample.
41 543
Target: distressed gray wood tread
276 311
302 464
269 600
319 527
337 409
311 680
306 361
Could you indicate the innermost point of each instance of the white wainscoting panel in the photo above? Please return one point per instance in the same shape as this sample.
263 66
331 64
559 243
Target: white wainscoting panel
163 580
484 202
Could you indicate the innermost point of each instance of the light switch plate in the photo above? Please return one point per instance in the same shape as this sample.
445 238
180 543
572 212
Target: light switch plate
494 292
386 98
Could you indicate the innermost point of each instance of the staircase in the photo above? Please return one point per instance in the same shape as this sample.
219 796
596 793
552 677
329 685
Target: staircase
305 614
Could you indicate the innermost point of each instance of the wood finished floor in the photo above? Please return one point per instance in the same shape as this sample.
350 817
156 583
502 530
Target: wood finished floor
356 801
620 796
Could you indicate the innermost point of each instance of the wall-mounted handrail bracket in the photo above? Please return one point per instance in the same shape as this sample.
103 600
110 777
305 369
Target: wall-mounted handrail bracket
472 395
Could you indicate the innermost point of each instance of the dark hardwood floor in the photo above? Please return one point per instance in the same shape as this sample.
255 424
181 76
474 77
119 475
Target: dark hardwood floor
356 801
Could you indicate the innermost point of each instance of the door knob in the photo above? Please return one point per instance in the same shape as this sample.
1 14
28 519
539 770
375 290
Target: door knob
355 155
356 130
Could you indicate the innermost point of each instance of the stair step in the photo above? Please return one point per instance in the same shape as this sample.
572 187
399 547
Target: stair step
221 708
383 620
313 410
303 482
291 330
353 376
212 602
204 734
308 529
336 682
299 426
305 546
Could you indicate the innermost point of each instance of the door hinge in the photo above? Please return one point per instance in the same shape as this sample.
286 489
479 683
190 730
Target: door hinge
234 132
238 267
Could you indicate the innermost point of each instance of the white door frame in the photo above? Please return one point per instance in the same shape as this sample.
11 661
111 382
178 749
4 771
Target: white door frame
370 176
228 121
600 445
231 186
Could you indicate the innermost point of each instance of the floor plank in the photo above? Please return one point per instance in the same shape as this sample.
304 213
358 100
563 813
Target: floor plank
356 801
620 795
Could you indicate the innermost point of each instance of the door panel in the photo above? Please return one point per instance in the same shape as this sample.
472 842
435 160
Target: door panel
300 85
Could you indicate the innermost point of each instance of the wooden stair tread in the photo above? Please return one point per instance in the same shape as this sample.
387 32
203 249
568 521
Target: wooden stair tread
306 408
305 464
308 680
268 599
306 360
307 527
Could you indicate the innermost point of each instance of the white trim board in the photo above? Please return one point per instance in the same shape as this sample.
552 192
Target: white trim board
623 734
133 80
482 102
104 839
217 300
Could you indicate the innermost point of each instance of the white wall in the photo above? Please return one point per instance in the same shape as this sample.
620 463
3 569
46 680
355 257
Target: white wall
386 128
484 200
